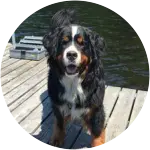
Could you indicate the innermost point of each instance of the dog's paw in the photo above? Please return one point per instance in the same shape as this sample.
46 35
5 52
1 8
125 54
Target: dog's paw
57 142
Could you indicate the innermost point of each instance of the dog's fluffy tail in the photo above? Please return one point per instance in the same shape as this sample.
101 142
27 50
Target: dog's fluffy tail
63 17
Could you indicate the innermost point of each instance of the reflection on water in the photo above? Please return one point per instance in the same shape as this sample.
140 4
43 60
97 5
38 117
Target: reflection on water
125 62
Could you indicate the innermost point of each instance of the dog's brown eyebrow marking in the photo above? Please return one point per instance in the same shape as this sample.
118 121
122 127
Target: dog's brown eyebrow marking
65 38
80 39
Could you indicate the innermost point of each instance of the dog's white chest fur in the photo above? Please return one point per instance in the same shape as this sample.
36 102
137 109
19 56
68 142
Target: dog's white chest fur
73 89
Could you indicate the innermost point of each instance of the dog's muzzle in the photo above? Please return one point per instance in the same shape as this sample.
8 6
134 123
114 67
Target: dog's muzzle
72 60
72 67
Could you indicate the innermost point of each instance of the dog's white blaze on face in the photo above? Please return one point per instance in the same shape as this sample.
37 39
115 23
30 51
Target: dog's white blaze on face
72 48
74 30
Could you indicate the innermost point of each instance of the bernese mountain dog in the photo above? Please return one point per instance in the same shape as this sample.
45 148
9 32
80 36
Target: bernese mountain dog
76 83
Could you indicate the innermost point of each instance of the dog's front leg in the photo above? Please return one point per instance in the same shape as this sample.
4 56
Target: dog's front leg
97 127
58 133
95 123
59 128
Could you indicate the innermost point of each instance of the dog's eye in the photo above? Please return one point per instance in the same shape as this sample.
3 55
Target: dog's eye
65 39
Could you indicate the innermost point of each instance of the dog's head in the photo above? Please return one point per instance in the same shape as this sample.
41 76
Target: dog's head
73 48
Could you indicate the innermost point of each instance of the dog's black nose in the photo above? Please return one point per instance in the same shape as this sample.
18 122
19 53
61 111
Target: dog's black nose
72 55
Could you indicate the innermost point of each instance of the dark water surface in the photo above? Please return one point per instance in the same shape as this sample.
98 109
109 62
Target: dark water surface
125 62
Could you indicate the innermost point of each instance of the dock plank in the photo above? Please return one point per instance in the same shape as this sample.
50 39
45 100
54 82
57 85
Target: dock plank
13 67
6 52
71 136
111 94
139 101
6 57
44 132
23 110
119 118
23 77
84 140
28 66
24 88
27 95
9 62
34 120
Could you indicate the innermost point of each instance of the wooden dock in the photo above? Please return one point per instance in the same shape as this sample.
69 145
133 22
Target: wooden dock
24 85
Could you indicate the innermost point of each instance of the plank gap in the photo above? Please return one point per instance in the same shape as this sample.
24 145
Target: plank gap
113 108
11 63
76 138
5 58
69 138
32 110
44 68
50 114
19 74
23 63
26 93
131 109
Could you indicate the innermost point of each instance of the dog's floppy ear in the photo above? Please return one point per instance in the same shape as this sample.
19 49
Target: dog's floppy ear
50 42
47 40
98 44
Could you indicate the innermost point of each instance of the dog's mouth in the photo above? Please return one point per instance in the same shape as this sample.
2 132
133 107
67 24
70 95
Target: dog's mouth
71 69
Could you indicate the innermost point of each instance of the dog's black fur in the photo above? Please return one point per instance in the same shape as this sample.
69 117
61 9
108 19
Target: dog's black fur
93 83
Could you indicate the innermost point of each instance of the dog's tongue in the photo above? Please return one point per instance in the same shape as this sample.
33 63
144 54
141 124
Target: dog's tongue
71 69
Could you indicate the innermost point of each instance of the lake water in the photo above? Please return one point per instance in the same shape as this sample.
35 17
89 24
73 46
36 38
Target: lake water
125 61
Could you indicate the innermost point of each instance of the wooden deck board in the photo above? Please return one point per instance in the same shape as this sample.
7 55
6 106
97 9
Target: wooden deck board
83 140
141 95
111 94
34 120
29 105
23 77
13 67
7 48
44 132
6 52
119 119
71 136
25 68
9 62
6 57
27 95
24 85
